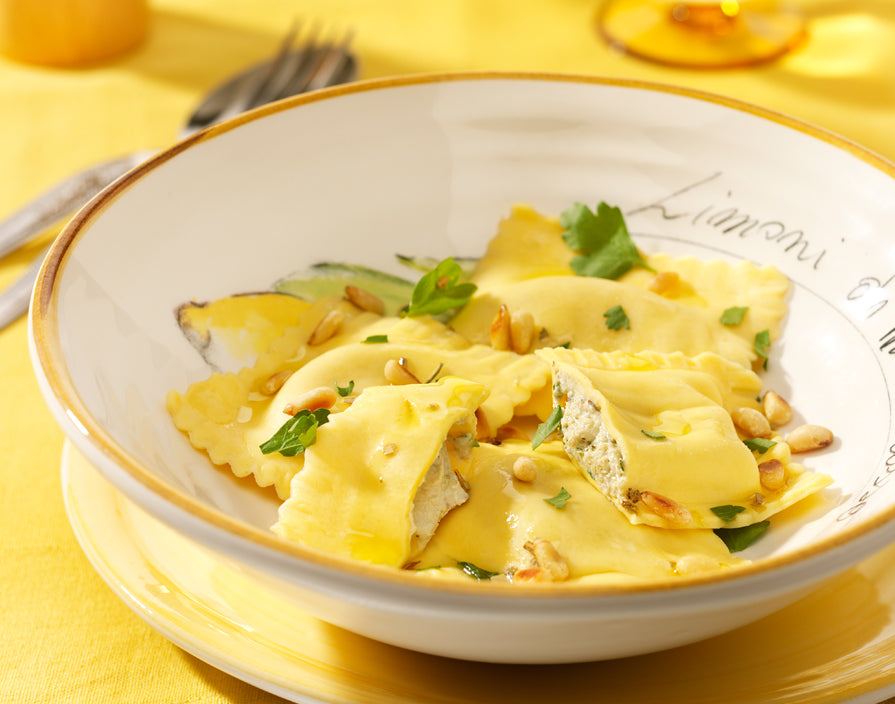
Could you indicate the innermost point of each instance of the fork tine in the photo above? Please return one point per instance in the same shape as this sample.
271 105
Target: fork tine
250 92
326 62
334 62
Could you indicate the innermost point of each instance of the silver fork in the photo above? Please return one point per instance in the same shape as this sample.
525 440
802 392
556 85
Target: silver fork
313 65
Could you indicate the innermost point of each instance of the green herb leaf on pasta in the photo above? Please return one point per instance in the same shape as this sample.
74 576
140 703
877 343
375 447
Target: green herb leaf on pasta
375 339
728 512
296 434
762 345
476 572
616 318
737 539
601 238
439 291
344 391
654 436
560 500
734 315
552 423
759 445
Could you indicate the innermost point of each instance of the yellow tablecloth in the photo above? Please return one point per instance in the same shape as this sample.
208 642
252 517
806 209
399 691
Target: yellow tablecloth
64 637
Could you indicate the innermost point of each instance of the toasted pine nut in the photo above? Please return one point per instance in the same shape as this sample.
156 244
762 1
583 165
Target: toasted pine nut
525 469
328 326
756 499
751 422
321 397
364 300
548 558
396 372
501 337
806 438
522 331
665 508
275 382
532 574
771 474
664 282
389 449
776 409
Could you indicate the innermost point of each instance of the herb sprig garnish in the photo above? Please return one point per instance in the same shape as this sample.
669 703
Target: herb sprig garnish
297 434
439 291
605 249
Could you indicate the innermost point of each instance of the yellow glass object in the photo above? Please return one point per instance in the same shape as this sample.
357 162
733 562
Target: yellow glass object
70 32
724 34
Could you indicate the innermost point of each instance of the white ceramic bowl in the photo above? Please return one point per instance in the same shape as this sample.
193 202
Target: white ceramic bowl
428 165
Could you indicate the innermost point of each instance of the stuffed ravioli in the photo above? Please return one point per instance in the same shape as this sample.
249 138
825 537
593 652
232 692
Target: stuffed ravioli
383 473
657 438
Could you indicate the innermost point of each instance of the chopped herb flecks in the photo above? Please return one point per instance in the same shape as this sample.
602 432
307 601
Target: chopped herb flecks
616 318
759 445
762 345
559 501
476 572
654 436
734 315
344 391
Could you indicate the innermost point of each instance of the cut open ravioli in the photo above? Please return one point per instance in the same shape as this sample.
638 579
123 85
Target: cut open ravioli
660 443
383 473
594 540
227 415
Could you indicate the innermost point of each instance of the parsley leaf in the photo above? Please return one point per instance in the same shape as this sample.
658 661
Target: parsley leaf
759 445
728 512
345 391
372 339
602 239
548 426
616 318
761 345
476 572
559 501
296 434
653 436
737 539
734 315
439 291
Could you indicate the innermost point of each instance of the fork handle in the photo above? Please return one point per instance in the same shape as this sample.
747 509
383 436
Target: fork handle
62 199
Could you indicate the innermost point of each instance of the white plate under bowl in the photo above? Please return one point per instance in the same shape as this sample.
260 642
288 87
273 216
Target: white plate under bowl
836 645
427 165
